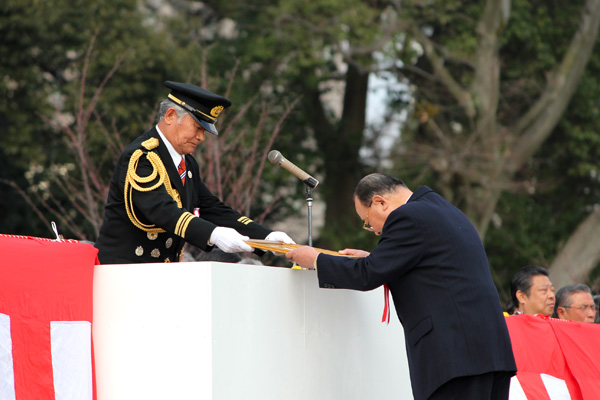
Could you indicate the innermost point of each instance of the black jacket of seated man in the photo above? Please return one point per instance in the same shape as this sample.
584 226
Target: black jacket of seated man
150 213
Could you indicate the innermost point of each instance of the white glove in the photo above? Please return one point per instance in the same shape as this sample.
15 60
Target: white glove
279 236
229 240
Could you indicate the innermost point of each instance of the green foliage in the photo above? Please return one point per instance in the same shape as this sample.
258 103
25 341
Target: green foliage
42 63
451 23
44 58
536 38
17 216
286 38
576 145
21 80
527 230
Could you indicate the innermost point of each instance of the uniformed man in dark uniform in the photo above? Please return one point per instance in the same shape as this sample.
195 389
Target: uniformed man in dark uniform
157 201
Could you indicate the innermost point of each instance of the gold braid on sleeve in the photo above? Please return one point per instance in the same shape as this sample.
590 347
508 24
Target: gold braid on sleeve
134 181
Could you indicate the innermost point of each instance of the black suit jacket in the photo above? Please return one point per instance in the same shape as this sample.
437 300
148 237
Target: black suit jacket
434 262
121 241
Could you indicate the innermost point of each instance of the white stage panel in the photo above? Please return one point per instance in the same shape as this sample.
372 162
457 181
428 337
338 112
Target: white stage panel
207 330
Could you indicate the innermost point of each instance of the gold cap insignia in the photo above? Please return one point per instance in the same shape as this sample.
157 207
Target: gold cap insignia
216 111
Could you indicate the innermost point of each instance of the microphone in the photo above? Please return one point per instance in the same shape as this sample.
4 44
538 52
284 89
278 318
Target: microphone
276 158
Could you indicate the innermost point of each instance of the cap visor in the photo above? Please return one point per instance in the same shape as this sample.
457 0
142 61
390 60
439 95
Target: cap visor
209 127
206 125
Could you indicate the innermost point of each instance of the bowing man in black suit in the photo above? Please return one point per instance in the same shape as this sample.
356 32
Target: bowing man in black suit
157 201
433 261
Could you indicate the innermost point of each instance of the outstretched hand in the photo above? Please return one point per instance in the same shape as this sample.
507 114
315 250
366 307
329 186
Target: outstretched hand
229 240
303 256
280 237
354 252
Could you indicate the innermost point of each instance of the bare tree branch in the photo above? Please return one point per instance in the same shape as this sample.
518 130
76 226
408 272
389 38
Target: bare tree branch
462 96
537 124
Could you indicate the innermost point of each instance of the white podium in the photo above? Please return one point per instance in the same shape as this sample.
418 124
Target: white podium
208 330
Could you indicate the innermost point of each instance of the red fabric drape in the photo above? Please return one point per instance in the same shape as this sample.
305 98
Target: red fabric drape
41 281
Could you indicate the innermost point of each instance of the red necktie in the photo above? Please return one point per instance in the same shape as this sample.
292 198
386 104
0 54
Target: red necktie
386 309
181 170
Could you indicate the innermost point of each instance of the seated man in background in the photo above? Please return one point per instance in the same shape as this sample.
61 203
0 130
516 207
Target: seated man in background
532 291
575 303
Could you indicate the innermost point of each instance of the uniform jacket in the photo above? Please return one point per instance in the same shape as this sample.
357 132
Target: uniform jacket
433 260
149 221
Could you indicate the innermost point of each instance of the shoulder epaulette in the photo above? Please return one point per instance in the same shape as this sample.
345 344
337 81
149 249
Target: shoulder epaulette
150 144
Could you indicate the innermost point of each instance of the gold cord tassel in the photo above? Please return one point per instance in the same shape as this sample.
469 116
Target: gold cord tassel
133 181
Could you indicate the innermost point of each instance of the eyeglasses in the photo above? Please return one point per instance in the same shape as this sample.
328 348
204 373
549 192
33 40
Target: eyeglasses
366 225
584 307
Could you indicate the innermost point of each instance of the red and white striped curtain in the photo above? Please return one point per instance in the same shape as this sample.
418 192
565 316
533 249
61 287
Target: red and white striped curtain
46 319
556 360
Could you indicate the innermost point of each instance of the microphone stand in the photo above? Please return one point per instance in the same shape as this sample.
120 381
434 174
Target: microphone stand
309 201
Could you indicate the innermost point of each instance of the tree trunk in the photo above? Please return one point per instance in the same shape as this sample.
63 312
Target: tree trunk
341 143
579 255
342 163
